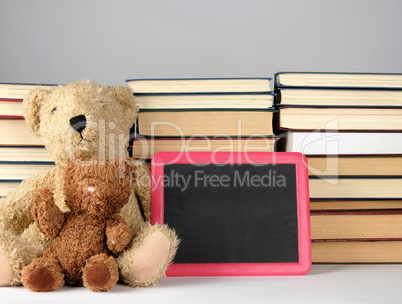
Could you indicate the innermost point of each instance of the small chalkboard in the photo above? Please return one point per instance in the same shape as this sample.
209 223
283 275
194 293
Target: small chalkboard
236 213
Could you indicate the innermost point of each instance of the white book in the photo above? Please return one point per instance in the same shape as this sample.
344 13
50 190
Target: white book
343 143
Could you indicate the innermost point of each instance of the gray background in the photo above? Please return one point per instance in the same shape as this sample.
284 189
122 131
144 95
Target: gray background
111 41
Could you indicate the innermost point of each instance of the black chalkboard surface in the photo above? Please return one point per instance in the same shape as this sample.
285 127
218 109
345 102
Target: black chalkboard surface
236 213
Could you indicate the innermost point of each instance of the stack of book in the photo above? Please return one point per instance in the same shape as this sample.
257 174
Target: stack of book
203 115
350 128
21 153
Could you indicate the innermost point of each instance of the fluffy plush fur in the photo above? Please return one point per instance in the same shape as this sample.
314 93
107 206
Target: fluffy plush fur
82 117
83 239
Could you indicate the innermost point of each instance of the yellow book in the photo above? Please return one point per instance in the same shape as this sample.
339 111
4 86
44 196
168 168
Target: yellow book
357 252
355 188
357 165
205 123
345 119
356 225
342 205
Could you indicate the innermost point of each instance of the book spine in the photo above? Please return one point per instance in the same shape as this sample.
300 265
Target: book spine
12 116
11 99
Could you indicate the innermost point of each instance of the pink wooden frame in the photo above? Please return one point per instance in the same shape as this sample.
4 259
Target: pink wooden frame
239 269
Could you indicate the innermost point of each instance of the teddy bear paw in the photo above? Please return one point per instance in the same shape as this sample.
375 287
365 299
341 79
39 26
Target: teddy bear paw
42 275
47 215
118 238
6 271
100 273
151 257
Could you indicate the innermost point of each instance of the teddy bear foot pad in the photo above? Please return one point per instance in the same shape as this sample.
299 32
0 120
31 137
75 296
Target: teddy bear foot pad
147 263
100 273
43 275
6 271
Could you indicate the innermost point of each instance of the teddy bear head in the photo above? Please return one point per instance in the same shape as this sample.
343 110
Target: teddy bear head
98 187
82 117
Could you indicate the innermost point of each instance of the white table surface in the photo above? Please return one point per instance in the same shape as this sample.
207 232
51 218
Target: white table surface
324 284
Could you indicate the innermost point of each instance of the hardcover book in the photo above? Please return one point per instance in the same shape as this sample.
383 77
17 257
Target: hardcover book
22 170
355 205
20 90
205 123
199 85
204 101
382 251
24 154
11 108
340 119
355 188
339 80
356 225
355 165
307 97
15 132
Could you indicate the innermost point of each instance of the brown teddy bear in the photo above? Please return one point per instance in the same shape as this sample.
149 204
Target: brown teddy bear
95 120
83 239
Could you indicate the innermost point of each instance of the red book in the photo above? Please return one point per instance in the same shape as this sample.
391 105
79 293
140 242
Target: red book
11 108
12 94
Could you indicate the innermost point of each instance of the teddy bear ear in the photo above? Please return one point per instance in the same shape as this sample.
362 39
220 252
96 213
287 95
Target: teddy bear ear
32 104
126 98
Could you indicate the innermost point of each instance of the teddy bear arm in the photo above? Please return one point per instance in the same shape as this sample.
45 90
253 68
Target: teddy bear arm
48 216
118 234
15 208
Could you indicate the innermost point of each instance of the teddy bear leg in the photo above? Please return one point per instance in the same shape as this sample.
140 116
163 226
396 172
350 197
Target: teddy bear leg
43 274
12 258
100 273
148 256
6 271
16 251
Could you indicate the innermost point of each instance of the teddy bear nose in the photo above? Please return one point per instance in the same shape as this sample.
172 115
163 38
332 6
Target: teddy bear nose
78 123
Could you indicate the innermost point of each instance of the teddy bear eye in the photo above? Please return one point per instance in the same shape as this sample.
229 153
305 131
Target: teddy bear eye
54 111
